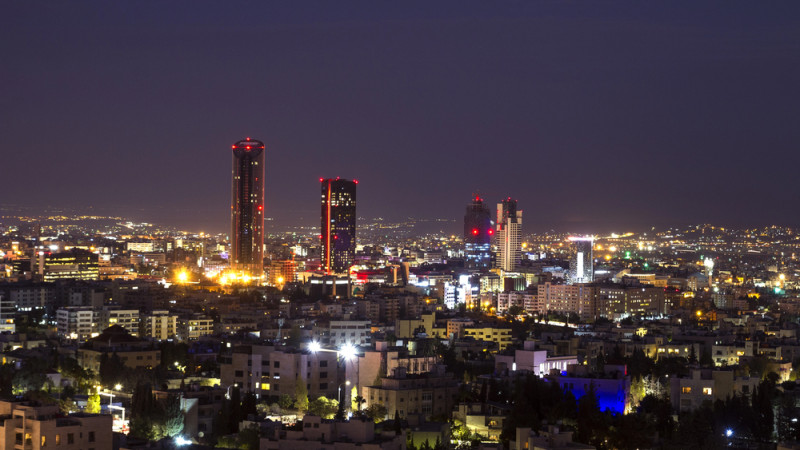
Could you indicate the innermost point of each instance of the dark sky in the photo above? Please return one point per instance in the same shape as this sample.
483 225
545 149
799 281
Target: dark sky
594 115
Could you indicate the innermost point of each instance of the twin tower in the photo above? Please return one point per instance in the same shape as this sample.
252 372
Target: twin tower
338 223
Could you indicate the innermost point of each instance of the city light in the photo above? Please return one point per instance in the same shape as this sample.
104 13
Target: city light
314 346
348 351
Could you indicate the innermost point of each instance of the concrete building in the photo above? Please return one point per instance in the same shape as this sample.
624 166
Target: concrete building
77 323
267 370
25 426
126 318
430 394
321 434
566 299
337 333
529 359
709 385
159 324
134 353
194 326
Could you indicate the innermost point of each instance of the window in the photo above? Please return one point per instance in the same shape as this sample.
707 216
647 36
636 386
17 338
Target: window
706 391
58 439
323 363
70 438
686 390
323 374
91 436
239 374
276 364
44 441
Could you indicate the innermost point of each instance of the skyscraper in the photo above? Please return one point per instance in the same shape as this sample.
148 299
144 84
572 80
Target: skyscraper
509 235
478 234
338 225
581 265
247 207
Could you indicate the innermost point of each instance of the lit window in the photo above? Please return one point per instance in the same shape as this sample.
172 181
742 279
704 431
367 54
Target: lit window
707 391
686 390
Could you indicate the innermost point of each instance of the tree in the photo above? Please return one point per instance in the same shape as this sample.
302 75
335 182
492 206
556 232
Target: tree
172 416
93 404
591 422
377 412
112 369
285 401
324 407
300 395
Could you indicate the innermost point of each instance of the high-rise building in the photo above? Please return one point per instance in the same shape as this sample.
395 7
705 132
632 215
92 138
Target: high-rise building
338 225
247 207
478 234
509 235
581 265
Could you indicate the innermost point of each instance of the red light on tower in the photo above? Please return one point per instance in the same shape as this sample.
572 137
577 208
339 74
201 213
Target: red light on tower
491 231
320 179
355 181
475 231
260 208
233 147
248 147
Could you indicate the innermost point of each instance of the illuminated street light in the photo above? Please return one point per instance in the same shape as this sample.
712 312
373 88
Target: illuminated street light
314 346
348 351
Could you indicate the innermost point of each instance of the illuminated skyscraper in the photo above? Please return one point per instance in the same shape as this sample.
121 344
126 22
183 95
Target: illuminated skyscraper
581 266
247 207
478 234
509 235
338 227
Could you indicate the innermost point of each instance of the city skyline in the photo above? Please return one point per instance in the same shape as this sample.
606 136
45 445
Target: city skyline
658 106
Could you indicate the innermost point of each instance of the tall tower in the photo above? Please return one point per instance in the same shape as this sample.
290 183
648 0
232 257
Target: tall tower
247 207
509 235
478 234
581 266
338 224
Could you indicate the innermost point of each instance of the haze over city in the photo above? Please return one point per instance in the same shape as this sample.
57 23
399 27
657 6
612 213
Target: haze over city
596 117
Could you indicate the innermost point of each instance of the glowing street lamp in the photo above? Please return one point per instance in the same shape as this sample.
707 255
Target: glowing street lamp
348 351
314 346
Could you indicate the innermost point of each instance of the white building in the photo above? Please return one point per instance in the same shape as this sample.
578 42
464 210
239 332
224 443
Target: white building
508 237
77 322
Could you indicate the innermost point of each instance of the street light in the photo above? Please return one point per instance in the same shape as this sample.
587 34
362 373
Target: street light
348 351
314 346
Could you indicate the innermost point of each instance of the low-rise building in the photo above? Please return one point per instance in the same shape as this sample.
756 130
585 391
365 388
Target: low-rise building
134 353
321 434
429 394
25 426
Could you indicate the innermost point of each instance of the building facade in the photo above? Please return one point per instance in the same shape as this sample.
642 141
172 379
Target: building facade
478 233
247 207
338 225
581 265
508 237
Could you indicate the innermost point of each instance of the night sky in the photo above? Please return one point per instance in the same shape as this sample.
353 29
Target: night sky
594 115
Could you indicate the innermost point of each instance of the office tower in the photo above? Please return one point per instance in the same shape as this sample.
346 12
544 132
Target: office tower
338 227
478 234
581 269
509 235
247 207
72 264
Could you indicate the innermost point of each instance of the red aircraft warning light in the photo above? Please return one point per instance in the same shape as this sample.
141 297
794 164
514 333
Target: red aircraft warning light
475 231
